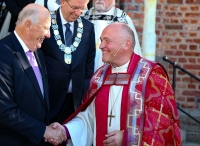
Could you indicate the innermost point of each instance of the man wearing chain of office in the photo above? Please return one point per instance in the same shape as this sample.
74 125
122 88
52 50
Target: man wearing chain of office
69 54
103 13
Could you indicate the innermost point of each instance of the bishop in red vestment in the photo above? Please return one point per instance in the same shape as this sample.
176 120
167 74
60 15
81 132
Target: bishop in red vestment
141 113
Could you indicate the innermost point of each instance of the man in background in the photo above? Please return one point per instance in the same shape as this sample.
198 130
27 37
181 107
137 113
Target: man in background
69 54
24 101
103 13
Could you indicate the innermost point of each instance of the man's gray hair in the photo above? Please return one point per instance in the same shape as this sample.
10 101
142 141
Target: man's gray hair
31 14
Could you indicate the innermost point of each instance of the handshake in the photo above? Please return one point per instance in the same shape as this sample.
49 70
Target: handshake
55 134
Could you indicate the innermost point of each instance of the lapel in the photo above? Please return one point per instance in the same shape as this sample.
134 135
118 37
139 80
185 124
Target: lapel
74 35
19 52
60 29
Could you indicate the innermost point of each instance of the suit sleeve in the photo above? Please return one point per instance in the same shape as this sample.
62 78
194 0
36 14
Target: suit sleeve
89 68
11 117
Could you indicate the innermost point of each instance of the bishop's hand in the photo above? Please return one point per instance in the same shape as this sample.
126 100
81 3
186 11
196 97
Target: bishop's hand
114 138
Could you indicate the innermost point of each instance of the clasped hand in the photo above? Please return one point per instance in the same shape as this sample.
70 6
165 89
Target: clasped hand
55 134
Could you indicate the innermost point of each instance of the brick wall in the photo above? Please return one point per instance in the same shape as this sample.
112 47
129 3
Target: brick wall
178 38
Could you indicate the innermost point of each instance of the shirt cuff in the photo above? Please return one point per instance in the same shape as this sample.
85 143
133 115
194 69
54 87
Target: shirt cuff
67 133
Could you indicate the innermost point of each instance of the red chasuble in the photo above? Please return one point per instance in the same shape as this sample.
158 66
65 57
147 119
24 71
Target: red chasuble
149 116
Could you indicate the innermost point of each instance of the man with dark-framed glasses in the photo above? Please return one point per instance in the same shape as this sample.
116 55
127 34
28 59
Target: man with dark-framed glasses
69 55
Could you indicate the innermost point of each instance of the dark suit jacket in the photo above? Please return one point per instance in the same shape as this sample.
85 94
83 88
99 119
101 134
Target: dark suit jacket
15 6
60 73
23 109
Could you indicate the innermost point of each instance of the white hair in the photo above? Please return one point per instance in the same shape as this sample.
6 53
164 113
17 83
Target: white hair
31 14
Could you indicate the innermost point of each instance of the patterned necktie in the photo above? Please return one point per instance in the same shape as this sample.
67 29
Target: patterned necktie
35 67
68 35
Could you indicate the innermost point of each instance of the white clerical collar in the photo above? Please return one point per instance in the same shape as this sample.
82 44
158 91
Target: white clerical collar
25 48
63 21
110 12
120 69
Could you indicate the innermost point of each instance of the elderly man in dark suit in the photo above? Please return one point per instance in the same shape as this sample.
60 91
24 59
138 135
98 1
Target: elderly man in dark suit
70 54
24 102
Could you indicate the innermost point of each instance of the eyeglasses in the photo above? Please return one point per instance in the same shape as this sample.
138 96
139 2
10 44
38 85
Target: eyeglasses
75 8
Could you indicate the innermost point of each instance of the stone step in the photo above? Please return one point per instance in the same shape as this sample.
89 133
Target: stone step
190 144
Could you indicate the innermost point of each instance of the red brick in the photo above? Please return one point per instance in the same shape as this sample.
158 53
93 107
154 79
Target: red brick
161 1
173 47
182 86
191 92
165 33
182 60
192 2
187 105
168 40
180 73
174 1
183 34
184 21
173 8
173 14
132 8
193 41
174 53
197 41
159 40
192 15
164 45
166 7
139 29
183 8
160 26
157 32
160 13
188 67
130 14
177 40
193 47
193 54
138 1
192 60
194 21
175 27
193 34
180 98
165 20
173 34
183 47
139 15
189 80
174 20
191 86
158 7
194 8
157 19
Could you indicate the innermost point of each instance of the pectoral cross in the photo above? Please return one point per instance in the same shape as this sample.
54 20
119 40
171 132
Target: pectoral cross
110 116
